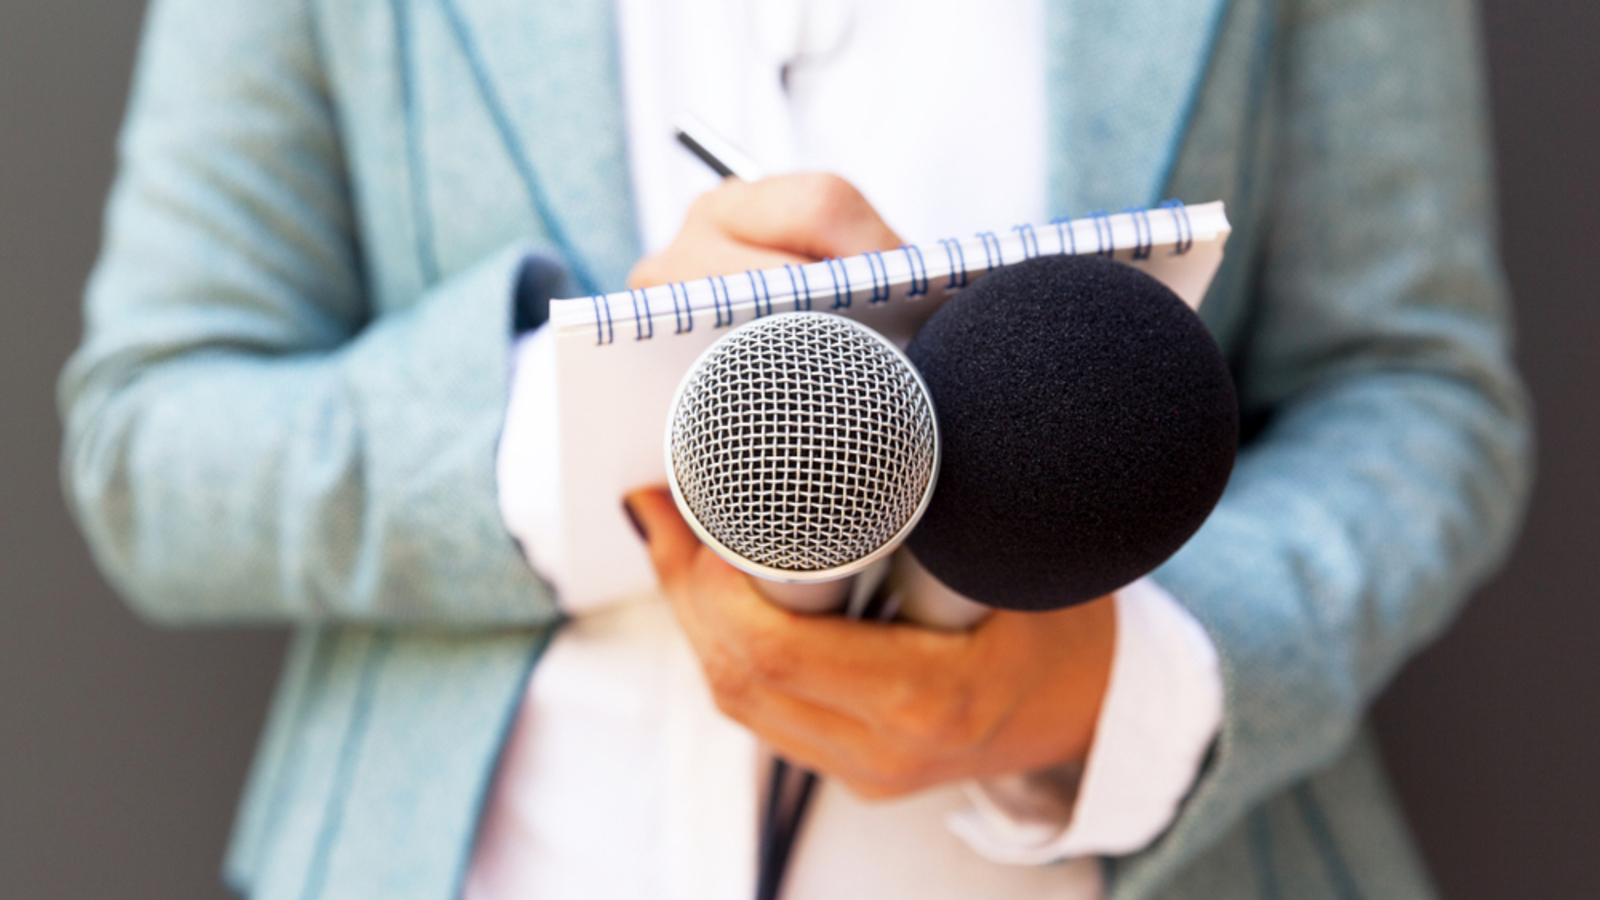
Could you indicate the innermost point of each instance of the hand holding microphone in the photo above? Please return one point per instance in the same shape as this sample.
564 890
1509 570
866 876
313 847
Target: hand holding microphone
1019 693
1089 426
886 710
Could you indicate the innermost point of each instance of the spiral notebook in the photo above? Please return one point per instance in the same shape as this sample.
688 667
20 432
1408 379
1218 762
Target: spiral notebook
619 357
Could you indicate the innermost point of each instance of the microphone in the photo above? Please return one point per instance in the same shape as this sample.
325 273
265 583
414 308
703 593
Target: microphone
1089 426
1086 427
802 448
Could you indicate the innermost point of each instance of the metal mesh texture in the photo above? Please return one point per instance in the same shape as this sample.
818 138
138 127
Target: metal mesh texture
802 442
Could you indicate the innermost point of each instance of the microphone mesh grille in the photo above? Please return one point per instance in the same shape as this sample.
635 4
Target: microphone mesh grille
803 442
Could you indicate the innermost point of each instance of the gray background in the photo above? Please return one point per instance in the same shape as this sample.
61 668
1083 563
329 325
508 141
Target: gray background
122 747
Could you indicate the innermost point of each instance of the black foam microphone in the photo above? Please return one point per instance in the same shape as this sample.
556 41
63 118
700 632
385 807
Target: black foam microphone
1088 426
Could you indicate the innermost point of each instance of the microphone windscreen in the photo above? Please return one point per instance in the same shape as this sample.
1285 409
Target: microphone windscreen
1088 425
801 446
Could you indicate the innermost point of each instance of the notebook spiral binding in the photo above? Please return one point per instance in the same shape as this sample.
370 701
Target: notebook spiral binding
1105 242
1143 238
683 316
1137 236
876 256
802 288
948 244
997 258
836 269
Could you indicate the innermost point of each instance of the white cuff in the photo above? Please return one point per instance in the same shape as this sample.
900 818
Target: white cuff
1162 709
528 460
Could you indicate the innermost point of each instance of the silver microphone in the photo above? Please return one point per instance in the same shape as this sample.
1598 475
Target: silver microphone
802 448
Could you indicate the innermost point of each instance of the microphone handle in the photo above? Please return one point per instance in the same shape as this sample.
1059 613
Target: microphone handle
921 598
810 598
852 595
912 592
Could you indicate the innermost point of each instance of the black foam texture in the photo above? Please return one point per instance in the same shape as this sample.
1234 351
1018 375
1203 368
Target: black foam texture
1088 425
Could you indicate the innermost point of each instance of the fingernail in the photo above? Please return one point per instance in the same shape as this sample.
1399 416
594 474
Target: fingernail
633 519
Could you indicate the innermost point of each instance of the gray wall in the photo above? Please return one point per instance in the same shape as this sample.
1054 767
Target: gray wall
122 747
1492 735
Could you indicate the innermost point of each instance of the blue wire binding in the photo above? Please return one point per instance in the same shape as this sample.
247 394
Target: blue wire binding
849 295
757 292
795 289
604 333
688 311
1180 219
916 262
1029 240
876 266
727 300
1105 240
947 243
1144 239
995 258
639 327
1066 235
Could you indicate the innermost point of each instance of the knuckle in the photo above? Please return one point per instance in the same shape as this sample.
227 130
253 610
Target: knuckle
647 272
828 200
730 707
705 206
894 774
937 720
729 685
772 655
711 209
774 665
870 791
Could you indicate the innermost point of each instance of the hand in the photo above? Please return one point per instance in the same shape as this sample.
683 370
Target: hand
886 709
765 224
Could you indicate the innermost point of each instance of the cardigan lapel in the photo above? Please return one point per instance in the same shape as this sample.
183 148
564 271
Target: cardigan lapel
549 75
1124 76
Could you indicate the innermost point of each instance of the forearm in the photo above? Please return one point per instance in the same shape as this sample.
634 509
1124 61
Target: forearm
1391 474
251 436
356 483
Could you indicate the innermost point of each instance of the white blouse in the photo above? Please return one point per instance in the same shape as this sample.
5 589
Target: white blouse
620 779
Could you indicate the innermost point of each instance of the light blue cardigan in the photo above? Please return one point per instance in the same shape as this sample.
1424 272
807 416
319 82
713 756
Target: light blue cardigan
293 375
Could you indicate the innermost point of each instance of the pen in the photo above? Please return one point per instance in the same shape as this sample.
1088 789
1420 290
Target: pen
723 157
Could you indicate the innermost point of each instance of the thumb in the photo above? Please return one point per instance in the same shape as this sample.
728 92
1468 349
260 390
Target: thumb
672 543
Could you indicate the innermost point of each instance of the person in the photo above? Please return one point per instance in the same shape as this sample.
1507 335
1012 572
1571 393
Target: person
331 221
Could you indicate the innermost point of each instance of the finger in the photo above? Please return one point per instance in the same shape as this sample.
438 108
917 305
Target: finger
896 676
810 734
911 681
816 215
705 256
840 747
672 544
738 676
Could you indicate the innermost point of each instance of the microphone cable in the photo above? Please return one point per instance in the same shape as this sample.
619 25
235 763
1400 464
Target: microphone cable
780 824
780 821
